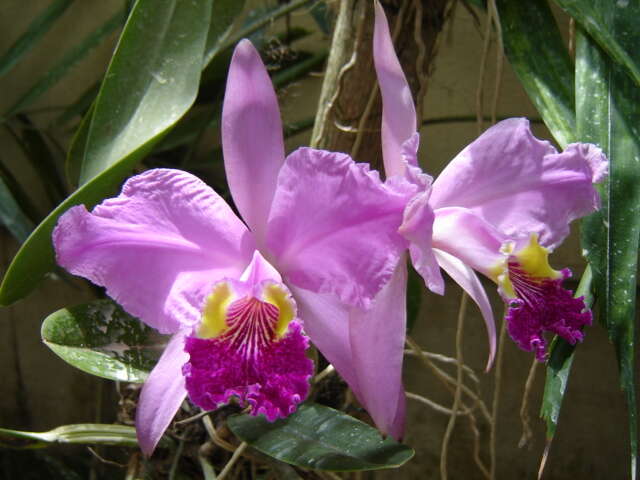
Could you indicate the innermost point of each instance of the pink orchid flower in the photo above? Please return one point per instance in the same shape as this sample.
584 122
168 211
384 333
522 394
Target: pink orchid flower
499 208
320 236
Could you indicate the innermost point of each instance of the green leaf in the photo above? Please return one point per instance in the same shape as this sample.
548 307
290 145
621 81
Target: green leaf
68 61
321 438
82 433
152 80
614 25
102 339
38 27
11 214
607 115
545 73
559 365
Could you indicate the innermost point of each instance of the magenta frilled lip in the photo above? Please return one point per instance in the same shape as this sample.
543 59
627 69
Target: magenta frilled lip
543 305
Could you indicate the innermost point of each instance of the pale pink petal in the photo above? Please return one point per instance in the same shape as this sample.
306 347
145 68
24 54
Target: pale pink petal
252 140
467 279
520 184
398 109
333 226
258 271
467 236
377 345
161 395
157 247
417 227
326 322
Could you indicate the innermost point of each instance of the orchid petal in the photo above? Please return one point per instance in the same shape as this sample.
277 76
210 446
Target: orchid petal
161 395
377 344
326 322
520 184
417 227
157 247
465 235
252 140
398 109
333 226
468 281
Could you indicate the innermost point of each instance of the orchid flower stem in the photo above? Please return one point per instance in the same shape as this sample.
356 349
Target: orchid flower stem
524 408
194 418
176 460
476 446
207 469
496 400
211 430
324 374
444 359
232 461
435 406
447 379
458 393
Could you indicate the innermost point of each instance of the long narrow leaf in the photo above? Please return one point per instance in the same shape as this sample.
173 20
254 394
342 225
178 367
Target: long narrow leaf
173 34
30 38
68 61
545 73
614 25
559 365
607 114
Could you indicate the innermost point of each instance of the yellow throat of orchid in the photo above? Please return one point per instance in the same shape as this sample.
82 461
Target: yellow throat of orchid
532 260
214 315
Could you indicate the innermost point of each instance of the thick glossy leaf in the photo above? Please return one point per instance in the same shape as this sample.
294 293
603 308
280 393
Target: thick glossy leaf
123 132
614 25
70 58
82 433
102 339
321 438
608 115
38 27
545 73
559 365
151 82
11 214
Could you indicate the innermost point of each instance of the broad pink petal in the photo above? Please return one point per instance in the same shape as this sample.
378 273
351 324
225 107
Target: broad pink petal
157 247
417 227
326 321
520 184
252 140
467 236
377 344
333 226
467 279
161 395
398 109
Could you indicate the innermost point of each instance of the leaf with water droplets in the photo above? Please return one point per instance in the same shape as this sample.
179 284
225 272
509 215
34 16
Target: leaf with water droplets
102 339
321 438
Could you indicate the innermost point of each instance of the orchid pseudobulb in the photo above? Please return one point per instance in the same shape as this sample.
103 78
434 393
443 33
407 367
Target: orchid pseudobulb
498 208
320 237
